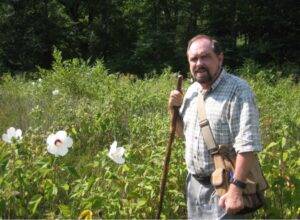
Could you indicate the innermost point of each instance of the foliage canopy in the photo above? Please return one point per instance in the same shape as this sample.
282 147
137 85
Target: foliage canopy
146 35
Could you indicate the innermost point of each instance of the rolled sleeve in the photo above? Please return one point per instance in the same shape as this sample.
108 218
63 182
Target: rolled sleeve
245 123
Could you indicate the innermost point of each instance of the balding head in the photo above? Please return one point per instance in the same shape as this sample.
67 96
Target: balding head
214 43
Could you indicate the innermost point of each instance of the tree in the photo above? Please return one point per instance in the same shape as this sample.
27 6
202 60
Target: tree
145 35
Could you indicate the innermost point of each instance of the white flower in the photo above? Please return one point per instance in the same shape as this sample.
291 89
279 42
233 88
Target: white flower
116 153
40 80
59 143
12 133
55 92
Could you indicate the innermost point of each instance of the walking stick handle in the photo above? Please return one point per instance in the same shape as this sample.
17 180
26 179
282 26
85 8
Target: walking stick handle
176 108
168 153
179 83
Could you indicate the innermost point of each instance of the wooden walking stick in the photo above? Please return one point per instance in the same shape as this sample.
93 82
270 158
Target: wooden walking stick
168 152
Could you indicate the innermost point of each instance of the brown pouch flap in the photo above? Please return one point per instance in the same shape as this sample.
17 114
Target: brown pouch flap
255 181
260 179
218 177
251 187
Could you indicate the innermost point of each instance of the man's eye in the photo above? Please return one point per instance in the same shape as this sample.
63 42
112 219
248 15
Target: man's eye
205 57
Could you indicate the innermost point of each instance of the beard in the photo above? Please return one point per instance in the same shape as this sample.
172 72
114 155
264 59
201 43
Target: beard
202 75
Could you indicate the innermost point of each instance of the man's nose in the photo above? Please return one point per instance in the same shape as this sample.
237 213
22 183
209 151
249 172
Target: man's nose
198 62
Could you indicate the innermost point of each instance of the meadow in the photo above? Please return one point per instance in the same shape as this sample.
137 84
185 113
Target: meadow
96 108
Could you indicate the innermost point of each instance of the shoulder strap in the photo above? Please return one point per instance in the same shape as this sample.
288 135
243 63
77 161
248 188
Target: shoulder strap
204 125
209 138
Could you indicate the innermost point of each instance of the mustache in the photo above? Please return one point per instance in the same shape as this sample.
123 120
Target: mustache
201 68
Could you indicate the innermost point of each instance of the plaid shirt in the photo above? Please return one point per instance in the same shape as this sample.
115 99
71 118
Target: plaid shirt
231 110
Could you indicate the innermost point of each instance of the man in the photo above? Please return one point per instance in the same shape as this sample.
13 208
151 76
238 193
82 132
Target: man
233 117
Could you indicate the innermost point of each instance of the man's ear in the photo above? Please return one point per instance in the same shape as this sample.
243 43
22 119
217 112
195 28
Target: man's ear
221 58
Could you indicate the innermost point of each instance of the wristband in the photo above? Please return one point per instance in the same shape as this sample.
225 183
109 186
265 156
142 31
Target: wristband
238 183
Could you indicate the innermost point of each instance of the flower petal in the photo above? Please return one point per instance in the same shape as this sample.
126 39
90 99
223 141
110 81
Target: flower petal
61 135
119 152
51 139
55 92
18 133
68 142
62 151
113 146
52 149
116 153
119 160
110 155
5 138
11 132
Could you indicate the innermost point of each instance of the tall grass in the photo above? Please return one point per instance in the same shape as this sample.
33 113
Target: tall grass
96 108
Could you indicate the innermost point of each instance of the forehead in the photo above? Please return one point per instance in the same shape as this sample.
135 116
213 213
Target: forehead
200 46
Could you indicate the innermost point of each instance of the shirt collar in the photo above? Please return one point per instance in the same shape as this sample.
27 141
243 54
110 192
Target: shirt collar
218 80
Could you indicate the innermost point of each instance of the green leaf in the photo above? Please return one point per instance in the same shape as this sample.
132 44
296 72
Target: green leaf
271 145
141 202
65 210
285 156
73 171
54 190
74 131
298 162
34 203
125 167
91 181
283 142
96 164
18 162
65 186
97 202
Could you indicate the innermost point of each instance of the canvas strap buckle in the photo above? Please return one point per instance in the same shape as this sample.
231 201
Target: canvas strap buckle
204 123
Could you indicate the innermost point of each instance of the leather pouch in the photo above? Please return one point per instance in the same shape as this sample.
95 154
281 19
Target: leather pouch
217 177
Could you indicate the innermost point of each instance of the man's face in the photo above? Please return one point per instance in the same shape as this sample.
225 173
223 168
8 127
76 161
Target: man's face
204 63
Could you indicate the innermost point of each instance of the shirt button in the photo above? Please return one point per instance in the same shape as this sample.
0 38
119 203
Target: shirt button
196 138
194 157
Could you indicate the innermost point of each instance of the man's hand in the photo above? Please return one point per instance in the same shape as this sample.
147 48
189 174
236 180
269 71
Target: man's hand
175 99
232 201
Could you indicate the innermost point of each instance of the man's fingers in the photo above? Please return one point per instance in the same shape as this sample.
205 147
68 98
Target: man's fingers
230 206
222 202
175 98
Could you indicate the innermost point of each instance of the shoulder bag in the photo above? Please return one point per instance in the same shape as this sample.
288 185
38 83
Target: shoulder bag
256 184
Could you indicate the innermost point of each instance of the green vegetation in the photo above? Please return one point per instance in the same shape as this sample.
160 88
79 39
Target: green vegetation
140 36
96 108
